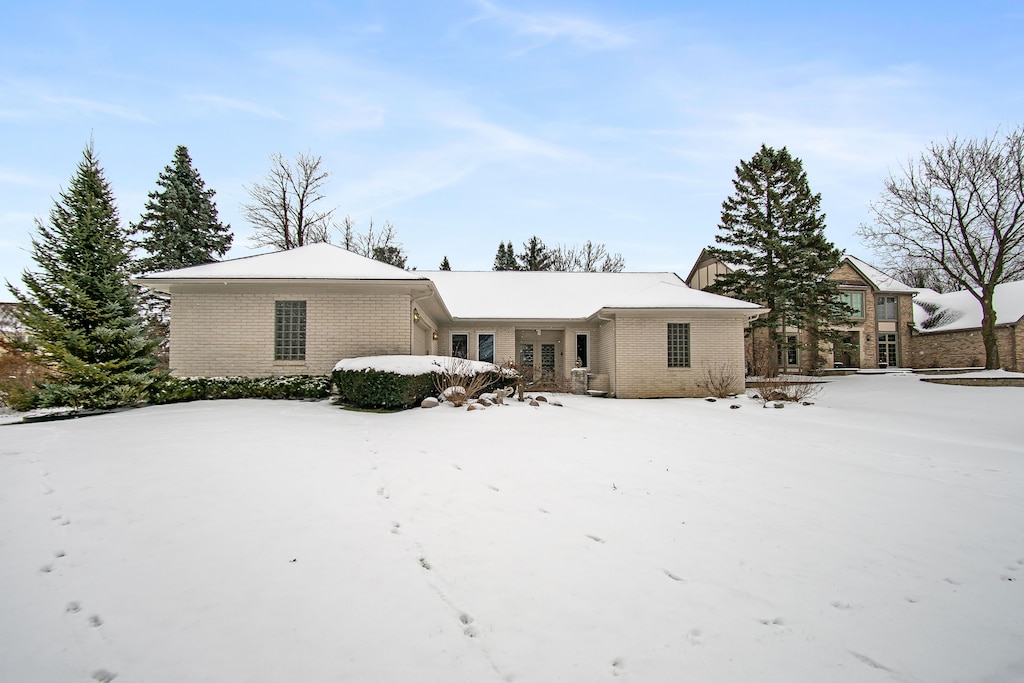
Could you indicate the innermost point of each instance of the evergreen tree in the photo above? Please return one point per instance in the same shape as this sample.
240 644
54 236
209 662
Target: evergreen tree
535 255
80 308
444 264
180 227
505 259
772 232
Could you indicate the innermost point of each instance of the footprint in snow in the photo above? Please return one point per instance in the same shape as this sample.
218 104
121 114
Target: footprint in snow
384 493
468 629
95 621
46 568
840 605
493 488
694 636
777 621
424 563
395 528
103 676
618 664
58 553
596 539
673 576
73 608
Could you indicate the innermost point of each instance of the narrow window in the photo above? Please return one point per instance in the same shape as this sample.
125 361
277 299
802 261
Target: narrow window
460 346
582 349
289 330
679 345
485 347
886 308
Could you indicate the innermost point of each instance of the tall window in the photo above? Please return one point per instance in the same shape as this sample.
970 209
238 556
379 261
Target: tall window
854 300
582 351
485 347
460 346
289 330
790 353
886 308
679 345
887 350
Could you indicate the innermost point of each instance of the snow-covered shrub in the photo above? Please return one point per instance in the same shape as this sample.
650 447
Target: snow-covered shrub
371 388
176 389
784 388
459 380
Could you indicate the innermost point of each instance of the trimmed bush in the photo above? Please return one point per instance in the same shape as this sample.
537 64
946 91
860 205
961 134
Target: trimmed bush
380 389
176 389
376 389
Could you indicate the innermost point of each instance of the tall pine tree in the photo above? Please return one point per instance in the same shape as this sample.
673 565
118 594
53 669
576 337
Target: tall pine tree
772 233
505 259
535 255
180 227
80 308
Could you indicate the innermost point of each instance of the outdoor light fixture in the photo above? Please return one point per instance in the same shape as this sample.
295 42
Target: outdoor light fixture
415 316
434 336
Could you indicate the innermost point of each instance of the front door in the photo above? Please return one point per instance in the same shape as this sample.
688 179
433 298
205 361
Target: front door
887 351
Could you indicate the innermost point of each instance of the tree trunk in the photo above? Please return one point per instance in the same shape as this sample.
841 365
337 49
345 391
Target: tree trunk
988 329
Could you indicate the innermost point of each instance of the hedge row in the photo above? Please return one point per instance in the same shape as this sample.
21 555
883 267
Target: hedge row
389 390
176 389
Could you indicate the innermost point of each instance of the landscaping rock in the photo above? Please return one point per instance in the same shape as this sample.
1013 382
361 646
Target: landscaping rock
429 402
474 406
710 399
533 402
734 406
485 402
542 398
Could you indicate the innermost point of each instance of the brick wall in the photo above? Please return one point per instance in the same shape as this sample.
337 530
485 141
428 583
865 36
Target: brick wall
232 332
641 357
965 348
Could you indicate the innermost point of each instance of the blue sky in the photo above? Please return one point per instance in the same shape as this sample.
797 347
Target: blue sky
469 122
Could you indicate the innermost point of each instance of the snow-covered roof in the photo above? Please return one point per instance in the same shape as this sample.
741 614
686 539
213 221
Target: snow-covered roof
876 278
311 262
542 295
415 365
961 311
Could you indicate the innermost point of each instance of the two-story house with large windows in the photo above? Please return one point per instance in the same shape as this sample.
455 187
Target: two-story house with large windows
877 334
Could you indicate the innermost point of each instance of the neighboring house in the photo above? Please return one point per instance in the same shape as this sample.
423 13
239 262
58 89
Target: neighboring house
948 328
878 333
641 335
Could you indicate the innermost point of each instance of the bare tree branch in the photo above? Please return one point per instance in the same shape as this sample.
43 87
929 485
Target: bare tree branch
285 207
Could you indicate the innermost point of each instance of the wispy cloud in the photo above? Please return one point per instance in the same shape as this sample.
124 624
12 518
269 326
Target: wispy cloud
114 110
230 104
547 27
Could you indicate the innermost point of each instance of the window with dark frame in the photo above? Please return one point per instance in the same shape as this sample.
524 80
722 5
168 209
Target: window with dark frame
854 300
485 347
582 351
679 345
460 345
289 330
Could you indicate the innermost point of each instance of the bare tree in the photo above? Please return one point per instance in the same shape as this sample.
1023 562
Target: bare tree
590 258
381 246
285 205
960 210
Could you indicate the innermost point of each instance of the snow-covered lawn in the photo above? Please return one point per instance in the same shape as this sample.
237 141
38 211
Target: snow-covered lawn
875 536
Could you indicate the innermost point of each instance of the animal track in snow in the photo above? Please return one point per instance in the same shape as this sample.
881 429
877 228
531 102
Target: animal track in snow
673 576
493 488
694 636
384 493
596 539
103 676
73 608
396 528
95 621
46 568
777 621
840 605
618 664
424 563
546 512
468 629
870 662
58 553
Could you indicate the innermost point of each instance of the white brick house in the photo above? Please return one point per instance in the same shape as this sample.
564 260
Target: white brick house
640 335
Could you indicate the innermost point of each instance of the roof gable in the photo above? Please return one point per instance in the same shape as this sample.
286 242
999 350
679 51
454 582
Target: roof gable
876 278
311 262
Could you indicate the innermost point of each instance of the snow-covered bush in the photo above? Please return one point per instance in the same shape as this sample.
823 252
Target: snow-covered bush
404 381
176 389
